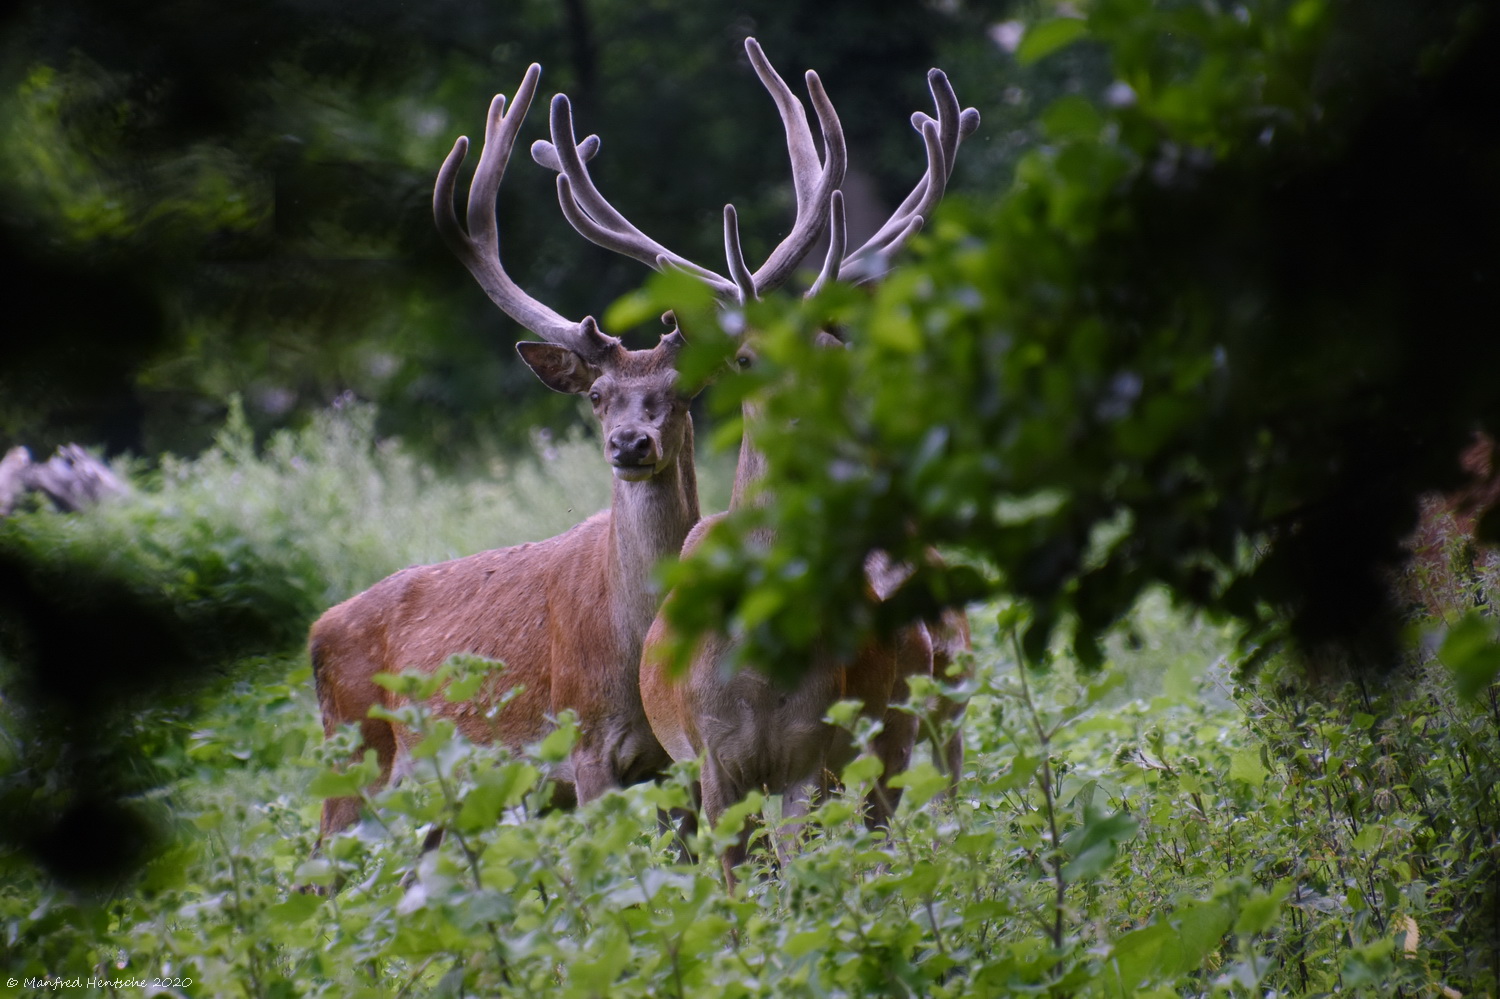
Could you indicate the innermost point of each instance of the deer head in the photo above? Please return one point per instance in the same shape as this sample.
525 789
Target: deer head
633 393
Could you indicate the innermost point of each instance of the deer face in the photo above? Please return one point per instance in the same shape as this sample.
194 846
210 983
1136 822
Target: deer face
634 394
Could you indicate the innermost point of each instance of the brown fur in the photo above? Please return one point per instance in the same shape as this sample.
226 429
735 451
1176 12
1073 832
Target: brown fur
566 615
950 640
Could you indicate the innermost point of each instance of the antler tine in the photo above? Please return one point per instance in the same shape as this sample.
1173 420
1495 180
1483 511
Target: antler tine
813 179
479 247
739 270
837 237
672 341
545 153
911 216
942 138
593 216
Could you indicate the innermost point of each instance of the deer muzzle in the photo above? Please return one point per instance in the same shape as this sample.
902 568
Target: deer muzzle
634 454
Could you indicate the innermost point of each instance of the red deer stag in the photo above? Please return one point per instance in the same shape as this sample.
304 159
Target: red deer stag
752 732
566 615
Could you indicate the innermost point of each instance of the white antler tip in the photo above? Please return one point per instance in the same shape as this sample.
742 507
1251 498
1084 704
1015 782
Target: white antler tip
528 81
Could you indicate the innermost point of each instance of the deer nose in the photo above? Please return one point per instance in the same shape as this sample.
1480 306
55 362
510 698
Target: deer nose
630 446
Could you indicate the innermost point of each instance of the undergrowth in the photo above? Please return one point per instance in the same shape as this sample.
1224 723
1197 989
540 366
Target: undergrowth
1163 827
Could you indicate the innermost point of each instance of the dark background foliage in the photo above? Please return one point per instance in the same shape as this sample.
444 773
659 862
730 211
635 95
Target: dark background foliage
213 198
1222 334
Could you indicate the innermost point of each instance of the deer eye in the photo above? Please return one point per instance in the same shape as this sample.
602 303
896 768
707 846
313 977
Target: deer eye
594 396
743 361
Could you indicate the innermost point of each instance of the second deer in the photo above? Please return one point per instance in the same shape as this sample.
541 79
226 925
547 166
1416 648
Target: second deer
752 732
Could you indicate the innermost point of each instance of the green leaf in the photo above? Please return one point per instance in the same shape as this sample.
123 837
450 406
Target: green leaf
317 871
1245 765
297 908
415 684
557 744
607 958
844 713
1022 768
481 808
922 782
807 941
330 784
1046 37
495 791
861 770
465 686
1093 846
895 330
632 309
435 741
1260 911
1470 651
760 605
1104 686
1134 955
733 820
976 844
1175 945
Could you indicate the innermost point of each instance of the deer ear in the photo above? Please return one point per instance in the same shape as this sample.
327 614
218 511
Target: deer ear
559 368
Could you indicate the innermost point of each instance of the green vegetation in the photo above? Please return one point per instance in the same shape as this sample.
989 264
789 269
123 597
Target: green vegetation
1202 319
1160 828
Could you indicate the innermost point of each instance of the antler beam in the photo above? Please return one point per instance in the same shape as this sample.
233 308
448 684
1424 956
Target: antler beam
815 179
479 246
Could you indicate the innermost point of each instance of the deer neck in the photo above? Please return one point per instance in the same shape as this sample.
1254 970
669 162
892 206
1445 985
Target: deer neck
649 521
751 469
